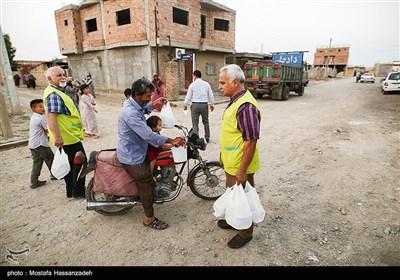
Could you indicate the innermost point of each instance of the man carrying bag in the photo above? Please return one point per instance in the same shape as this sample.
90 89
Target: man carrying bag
240 132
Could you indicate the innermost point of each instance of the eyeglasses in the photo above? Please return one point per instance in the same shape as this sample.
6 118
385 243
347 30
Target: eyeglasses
60 75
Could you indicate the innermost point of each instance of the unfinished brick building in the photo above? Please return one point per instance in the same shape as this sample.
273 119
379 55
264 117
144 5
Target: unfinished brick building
115 40
336 58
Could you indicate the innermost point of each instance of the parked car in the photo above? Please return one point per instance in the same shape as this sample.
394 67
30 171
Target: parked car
367 77
391 82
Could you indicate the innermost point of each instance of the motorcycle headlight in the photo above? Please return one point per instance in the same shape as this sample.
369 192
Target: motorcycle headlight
195 139
202 143
192 136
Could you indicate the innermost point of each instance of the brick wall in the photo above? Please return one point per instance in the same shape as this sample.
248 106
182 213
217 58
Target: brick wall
172 82
74 38
69 30
115 54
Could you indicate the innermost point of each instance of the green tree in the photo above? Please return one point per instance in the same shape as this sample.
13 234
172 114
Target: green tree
10 51
55 61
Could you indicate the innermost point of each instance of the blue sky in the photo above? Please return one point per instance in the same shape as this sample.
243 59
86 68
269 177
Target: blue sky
369 28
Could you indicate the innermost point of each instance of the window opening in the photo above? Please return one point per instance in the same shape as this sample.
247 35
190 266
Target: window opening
91 25
180 16
221 24
123 17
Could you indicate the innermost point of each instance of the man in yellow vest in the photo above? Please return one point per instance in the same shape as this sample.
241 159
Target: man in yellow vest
65 126
240 132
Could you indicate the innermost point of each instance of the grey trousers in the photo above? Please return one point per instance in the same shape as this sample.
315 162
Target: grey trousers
197 110
39 155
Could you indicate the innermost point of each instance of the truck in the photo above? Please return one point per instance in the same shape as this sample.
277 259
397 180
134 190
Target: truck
276 77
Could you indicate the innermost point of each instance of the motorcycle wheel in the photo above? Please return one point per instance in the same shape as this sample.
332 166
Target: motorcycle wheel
107 210
211 187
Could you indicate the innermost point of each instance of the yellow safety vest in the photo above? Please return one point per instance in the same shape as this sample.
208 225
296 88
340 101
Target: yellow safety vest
70 127
231 141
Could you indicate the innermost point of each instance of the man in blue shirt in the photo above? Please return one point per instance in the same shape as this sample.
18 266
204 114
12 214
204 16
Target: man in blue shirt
134 136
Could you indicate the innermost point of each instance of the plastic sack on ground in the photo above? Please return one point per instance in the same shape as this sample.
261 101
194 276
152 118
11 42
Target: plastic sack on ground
60 166
167 116
258 212
237 211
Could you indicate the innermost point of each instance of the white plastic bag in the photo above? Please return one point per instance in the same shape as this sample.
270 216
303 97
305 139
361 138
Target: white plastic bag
167 116
60 166
258 212
237 211
220 204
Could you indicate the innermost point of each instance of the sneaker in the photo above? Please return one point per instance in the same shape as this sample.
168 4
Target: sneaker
38 184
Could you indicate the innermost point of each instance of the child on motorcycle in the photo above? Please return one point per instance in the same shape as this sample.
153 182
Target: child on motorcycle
155 123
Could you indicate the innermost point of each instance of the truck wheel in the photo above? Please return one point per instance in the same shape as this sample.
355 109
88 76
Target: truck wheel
285 93
300 91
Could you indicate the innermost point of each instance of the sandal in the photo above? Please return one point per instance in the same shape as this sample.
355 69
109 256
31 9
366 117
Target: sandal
157 224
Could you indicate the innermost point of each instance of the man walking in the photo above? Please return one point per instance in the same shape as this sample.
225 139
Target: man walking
200 94
240 131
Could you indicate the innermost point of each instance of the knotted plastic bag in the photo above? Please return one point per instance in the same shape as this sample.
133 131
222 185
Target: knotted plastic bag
220 204
60 166
237 211
258 212
167 116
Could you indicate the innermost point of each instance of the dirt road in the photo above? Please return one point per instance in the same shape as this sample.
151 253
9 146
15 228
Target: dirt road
329 182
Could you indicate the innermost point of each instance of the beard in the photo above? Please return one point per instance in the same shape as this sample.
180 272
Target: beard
63 84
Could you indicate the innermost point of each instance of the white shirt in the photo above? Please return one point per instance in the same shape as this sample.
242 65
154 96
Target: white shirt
38 132
199 91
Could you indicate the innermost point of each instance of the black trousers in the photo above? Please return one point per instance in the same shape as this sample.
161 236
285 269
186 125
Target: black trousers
73 186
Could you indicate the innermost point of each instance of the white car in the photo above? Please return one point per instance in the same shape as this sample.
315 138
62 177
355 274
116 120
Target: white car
367 77
391 82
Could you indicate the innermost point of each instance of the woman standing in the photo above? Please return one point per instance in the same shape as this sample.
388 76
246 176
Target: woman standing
71 89
159 92
88 114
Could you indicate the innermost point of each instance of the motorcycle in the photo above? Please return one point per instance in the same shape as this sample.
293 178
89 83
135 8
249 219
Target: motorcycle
112 191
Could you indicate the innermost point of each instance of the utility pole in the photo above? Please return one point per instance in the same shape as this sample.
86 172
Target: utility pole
155 21
8 78
169 46
327 59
